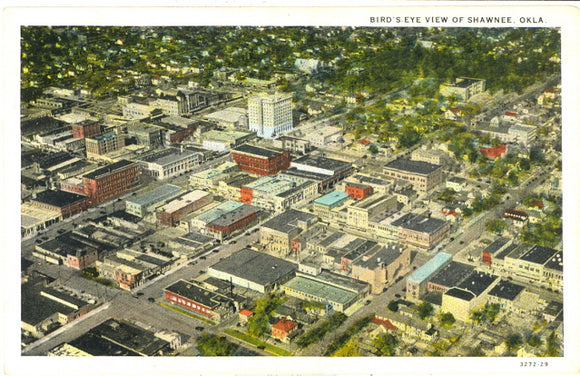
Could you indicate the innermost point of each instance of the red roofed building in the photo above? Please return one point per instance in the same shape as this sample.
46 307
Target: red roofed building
245 315
511 113
537 204
283 328
364 142
386 323
494 152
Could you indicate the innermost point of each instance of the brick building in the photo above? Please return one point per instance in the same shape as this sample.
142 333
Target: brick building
420 231
81 259
358 191
66 204
209 303
261 161
111 181
172 212
86 128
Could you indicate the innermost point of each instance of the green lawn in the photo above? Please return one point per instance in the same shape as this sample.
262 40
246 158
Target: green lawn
256 342
190 314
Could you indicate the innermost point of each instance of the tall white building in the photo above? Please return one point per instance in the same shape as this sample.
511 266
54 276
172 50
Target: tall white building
270 115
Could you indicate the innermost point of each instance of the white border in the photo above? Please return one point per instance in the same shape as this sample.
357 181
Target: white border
565 15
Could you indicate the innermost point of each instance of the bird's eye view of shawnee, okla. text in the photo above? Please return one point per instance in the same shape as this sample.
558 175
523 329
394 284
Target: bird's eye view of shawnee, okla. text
291 191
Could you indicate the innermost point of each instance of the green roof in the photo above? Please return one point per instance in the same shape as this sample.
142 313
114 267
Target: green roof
322 290
332 199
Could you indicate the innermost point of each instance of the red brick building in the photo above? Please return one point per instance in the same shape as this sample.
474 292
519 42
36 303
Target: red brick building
261 161
232 221
283 328
65 203
86 128
358 191
81 259
172 212
111 181
193 297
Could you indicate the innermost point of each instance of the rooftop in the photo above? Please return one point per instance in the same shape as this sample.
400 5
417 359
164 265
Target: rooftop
419 223
216 212
539 255
555 262
385 256
430 267
107 136
452 274
318 161
168 156
460 293
506 290
477 282
497 245
321 290
331 199
235 215
198 294
257 151
416 167
288 221
156 195
109 169
256 267
274 184
35 307
58 198
183 201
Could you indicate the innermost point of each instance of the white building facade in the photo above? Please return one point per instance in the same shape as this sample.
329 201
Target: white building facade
270 115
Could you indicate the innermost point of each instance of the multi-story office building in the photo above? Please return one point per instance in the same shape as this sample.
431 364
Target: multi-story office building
170 162
104 143
111 181
259 160
423 175
270 115
85 128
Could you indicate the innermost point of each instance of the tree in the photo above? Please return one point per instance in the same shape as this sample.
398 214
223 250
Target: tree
446 319
393 306
552 345
491 311
496 226
424 310
514 342
524 164
212 345
477 317
350 349
374 149
534 340
386 344
408 137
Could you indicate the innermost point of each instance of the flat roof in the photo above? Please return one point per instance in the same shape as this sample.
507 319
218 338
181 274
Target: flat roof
385 256
235 215
416 167
332 198
256 267
452 274
460 293
183 201
198 294
430 267
334 165
168 156
156 195
287 221
497 245
228 136
331 238
108 169
257 151
98 346
506 290
555 262
419 223
321 290
477 282
539 254
293 171
370 180
216 212
465 82
35 308
107 136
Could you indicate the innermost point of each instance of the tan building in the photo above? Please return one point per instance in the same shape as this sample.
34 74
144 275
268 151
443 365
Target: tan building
420 231
381 269
104 143
469 296
277 234
423 175
463 87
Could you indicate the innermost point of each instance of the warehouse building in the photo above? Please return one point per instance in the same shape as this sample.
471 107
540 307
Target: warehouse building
171 213
147 202
111 181
254 270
